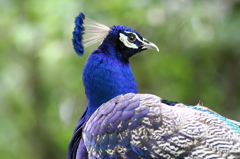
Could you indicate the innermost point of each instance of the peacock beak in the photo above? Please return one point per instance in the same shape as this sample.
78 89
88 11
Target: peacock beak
149 45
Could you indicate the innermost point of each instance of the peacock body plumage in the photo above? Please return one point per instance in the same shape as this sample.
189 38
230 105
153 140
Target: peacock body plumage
120 123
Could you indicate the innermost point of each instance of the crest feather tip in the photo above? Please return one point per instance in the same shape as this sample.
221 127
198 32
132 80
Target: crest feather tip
92 31
78 34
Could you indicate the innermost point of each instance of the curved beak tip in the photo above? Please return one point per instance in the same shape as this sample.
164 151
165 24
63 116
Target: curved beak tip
149 45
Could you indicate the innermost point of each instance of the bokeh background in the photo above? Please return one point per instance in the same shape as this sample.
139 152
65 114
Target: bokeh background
41 91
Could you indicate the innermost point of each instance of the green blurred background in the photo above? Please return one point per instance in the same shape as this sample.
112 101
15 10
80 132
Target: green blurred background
41 91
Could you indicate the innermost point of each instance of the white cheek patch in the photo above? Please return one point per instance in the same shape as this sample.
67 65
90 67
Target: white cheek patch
123 38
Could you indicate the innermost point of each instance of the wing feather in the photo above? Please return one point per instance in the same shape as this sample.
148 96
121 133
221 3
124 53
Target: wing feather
141 125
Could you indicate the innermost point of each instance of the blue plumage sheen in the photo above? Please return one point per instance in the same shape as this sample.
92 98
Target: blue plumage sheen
231 124
119 123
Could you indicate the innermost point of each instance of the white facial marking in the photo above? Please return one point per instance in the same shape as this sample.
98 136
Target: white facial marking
123 38
135 35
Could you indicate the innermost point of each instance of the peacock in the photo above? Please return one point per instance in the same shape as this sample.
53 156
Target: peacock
118 122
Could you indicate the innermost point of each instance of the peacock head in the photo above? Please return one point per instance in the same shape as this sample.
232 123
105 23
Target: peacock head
122 40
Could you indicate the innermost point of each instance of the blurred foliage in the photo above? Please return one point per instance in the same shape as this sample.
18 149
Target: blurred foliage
41 91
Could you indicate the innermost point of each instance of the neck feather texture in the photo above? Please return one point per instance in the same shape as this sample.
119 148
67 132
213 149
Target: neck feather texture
106 77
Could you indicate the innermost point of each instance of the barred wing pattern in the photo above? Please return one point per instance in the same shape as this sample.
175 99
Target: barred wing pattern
142 126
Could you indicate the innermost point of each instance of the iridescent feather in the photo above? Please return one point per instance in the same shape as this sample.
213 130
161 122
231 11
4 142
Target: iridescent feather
141 125
135 125
87 32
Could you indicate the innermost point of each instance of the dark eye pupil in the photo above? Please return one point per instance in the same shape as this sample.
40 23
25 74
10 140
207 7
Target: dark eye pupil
131 38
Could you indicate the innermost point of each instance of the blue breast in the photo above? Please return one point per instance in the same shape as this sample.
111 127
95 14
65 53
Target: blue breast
105 78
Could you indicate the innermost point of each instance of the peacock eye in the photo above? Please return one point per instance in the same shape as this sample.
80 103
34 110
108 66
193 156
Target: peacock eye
131 38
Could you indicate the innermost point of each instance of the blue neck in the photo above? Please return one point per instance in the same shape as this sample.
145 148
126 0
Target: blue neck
106 77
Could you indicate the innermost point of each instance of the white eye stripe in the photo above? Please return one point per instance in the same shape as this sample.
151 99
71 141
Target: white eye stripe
123 38
135 35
